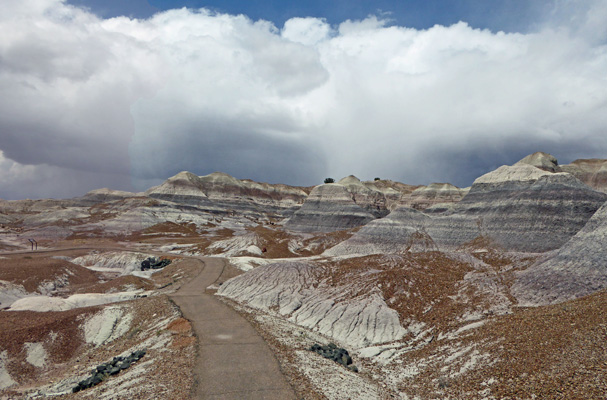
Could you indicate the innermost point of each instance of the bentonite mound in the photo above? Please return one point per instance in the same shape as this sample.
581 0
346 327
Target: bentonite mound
533 215
105 195
183 188
576 269
520 207
396 194
366 197
221 193
391 234
328 208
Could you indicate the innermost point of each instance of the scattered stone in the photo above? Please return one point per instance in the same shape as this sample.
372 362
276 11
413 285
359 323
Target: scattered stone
153 263
337 354
101 372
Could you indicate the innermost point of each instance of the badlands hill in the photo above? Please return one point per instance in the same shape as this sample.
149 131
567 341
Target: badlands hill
492 291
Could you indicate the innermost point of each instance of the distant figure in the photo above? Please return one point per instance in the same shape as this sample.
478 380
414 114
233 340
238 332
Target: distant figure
264 250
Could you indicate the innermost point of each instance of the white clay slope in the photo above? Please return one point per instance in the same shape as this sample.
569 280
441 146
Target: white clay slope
293 290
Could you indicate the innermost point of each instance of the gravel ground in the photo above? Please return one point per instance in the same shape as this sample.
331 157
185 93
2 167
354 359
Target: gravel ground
156 325
46 353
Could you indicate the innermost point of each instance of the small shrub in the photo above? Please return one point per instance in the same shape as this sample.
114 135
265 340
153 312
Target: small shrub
329 180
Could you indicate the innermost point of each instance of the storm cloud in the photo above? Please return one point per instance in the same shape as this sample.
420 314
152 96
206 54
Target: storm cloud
125 103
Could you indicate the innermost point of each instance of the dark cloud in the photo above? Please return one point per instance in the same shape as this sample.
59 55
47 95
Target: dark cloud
127 103
240 153
461 165
46 181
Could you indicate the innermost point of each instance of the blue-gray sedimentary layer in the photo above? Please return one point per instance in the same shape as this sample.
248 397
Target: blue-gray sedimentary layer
576 269
222 193
521 208
328 208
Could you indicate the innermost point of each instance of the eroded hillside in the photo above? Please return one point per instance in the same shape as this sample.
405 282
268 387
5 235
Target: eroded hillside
493 291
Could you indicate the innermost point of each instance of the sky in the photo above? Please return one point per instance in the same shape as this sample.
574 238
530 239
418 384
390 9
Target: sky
110 93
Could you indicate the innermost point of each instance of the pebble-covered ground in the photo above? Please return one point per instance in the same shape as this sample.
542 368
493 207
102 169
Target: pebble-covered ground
45 354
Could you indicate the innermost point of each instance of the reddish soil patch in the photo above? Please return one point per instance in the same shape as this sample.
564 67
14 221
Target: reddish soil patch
551 352
180 325
409 283
59 331
276 242
184 334
183 341
32 271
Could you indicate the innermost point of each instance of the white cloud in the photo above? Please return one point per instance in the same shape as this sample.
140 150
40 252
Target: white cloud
203 91
308 31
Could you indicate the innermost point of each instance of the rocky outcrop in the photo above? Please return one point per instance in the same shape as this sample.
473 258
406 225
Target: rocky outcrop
223 186
398 194
593 172
329 207
576 269
154 263
298 292
519 207
337 354
541 160
350 203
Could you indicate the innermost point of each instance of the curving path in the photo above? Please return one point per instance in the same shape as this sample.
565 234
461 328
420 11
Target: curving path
234 362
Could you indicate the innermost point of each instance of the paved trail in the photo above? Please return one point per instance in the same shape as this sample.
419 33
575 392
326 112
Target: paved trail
233 362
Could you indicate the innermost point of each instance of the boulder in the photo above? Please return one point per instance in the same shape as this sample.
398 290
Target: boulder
334 353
